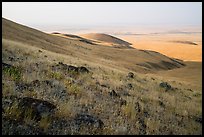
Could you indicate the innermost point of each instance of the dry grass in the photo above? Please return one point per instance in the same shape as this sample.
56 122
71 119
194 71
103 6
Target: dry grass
161 112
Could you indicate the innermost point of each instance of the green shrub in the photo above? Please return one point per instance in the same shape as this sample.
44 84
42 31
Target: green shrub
75 89
56 75
13 72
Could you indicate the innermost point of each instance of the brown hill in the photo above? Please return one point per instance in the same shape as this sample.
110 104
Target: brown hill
131 59
105 38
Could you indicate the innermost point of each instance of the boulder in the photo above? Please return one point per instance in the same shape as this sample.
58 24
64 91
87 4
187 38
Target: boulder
83 70
35 108
88 120
165 85
130 75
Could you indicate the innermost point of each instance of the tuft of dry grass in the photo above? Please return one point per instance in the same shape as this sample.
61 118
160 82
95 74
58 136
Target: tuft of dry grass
74 89
45 122
12 111
67 108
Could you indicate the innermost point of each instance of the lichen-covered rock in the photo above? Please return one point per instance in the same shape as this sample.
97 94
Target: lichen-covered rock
88 120
130 75
35 108
73 68
165 85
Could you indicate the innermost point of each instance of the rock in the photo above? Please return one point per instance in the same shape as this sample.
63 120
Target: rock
83 70
137 107
113 93
161 104
73 68
146 114
88 120
20 87
165 85
35 83
198 119
47 82
190 90
105 86
123 102
37 107
4 65
130 75
11 58
129 86
142 128
39 50
153 78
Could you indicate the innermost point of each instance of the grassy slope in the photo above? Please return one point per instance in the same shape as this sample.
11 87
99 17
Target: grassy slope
117 58
161 112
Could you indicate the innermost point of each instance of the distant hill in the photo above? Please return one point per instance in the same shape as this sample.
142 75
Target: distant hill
114 41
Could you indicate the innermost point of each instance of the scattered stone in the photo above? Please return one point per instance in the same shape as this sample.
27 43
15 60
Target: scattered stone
97 83
22 86
190 90
129 86
137 107
143 126
113 93
198 119
10 58
83 70
73 68
130 75
123 102
146 114
126 93
153 78
37 64
161 103
165 85
4 65
88 120
35 83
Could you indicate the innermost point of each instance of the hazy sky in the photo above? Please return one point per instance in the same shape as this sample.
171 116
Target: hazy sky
103 13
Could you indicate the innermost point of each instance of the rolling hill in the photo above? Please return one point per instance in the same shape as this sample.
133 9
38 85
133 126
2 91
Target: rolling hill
133 59
64 84
107 40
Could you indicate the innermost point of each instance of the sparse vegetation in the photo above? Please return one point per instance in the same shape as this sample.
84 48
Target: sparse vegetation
113 92
45 122
56 75
12 111
13 72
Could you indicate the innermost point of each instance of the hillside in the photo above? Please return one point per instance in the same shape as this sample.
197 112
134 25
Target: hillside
133 59
107 39
63 85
